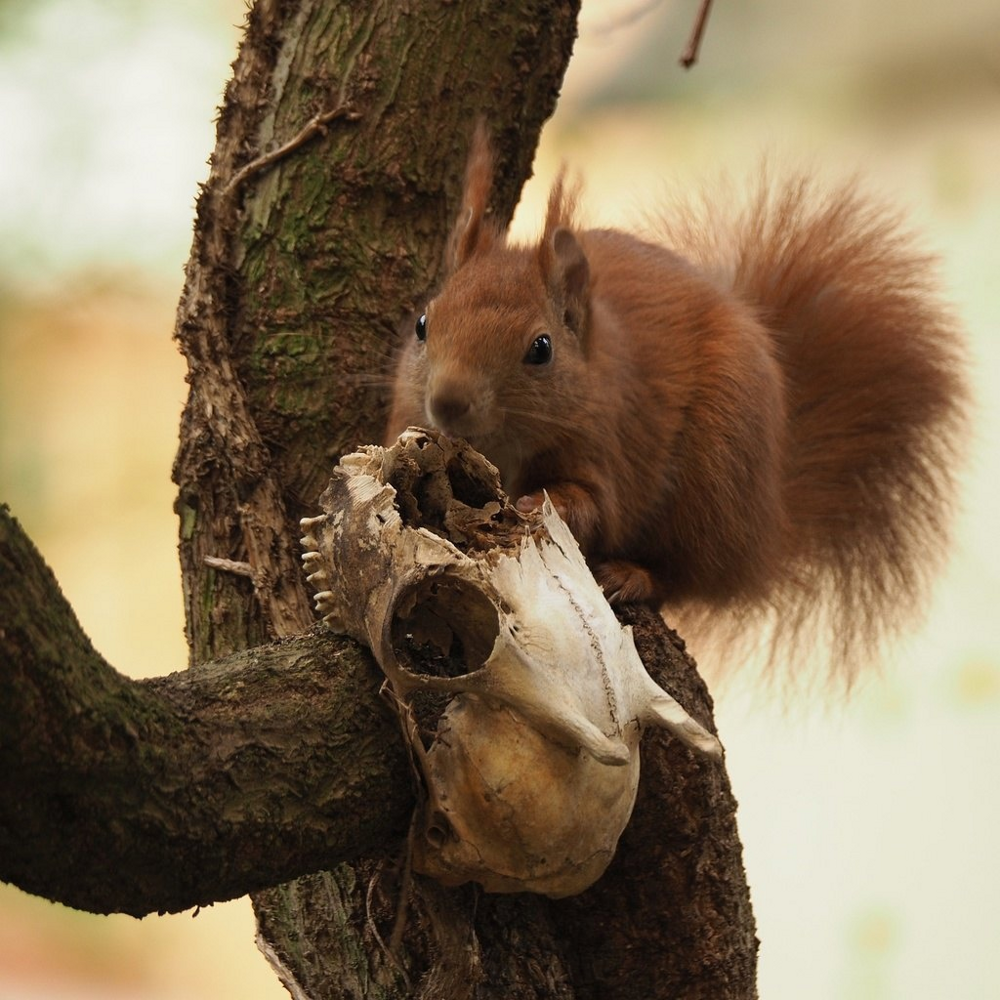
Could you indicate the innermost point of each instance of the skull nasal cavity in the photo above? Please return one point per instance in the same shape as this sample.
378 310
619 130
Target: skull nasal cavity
449 406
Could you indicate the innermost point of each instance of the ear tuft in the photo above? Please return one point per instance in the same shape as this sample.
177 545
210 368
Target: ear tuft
563 263
472 233
568 279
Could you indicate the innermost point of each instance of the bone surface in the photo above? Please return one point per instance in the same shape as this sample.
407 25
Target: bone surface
521 695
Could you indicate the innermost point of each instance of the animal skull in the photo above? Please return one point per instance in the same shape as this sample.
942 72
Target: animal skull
521 695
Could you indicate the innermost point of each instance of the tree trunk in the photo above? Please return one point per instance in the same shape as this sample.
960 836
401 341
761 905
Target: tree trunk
304 265
341 145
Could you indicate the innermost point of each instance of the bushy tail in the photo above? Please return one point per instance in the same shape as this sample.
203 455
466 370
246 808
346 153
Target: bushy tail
876 400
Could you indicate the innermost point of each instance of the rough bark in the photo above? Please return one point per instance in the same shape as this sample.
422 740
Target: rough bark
303 266
131 796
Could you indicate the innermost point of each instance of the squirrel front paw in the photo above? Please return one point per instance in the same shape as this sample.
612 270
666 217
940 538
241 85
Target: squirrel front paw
574 504
626 583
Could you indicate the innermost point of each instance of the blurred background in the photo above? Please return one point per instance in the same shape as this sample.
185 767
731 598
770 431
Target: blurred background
869 826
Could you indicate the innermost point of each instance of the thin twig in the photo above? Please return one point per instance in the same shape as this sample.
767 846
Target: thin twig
405 888
690 56
391 951
315 126
229 566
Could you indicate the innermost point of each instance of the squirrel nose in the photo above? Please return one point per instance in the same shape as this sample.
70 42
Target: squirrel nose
447 408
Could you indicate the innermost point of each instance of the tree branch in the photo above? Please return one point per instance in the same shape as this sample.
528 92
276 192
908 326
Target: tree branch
314 127
139 796
690 55
142 796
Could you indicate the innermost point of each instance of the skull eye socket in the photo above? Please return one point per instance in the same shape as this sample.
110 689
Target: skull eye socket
442 628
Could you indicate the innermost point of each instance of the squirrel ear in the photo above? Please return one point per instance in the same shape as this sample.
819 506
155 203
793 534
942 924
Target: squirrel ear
569 278
471 233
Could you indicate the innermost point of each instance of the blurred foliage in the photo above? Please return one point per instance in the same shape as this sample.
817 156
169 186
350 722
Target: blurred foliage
107 116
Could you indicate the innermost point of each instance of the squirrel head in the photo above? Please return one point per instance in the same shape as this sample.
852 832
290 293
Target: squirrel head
502 347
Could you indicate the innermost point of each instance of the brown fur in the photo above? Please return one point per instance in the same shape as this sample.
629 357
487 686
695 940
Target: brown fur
760 420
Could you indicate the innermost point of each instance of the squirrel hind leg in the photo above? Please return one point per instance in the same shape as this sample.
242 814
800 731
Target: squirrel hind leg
627 583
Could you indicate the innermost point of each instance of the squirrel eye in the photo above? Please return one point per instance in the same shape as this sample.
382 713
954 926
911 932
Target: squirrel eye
421 327
540 352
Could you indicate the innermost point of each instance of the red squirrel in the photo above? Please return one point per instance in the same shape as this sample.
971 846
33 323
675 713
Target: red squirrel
762 417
